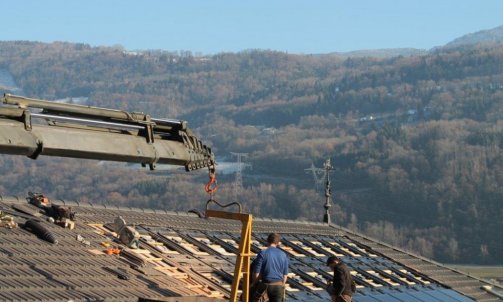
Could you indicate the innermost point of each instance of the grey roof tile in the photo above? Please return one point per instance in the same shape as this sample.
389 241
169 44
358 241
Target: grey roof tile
196 260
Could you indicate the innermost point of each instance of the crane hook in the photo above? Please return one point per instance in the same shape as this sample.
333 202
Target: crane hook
211 186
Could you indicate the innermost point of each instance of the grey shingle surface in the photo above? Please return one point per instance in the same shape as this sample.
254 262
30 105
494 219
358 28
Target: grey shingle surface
183 255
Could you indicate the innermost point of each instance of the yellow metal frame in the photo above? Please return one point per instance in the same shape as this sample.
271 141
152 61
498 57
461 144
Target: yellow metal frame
242 268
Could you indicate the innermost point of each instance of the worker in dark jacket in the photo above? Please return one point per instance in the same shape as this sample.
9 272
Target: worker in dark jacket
341 287
271 268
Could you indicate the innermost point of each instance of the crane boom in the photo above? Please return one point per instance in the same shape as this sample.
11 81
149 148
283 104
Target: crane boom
97 133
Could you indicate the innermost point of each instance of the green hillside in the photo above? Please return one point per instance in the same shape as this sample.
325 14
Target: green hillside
416 141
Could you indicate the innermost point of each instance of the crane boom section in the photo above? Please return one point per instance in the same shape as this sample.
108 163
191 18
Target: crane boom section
97 133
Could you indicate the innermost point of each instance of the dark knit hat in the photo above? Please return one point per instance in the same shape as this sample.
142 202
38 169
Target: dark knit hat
332 259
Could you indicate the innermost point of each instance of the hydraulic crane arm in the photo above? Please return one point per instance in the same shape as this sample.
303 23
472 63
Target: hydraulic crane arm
97 133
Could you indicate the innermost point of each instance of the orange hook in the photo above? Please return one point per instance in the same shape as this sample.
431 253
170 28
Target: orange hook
211 186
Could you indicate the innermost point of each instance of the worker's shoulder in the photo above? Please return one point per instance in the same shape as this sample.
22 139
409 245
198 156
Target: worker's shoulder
342 267
278 253
271 251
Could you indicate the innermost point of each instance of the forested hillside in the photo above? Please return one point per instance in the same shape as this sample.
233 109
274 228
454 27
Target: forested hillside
416 141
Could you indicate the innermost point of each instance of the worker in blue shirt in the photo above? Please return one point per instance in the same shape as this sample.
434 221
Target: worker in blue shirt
271 268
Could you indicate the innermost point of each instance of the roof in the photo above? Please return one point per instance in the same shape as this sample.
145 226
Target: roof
182 255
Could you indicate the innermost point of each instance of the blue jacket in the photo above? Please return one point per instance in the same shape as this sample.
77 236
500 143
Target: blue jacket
272 264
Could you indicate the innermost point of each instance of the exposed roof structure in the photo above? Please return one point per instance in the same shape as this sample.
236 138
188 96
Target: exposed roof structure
183 255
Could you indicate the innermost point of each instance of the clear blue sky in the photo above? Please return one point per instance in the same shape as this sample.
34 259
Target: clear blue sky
213 26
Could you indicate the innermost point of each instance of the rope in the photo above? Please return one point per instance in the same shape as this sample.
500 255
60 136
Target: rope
235 203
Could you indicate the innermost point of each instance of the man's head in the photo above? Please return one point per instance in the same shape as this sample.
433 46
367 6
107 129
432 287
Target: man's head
273 239
332 261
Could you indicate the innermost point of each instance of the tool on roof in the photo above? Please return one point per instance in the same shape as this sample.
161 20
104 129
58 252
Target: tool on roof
17 213
119 272
66 223
127 234
112 251
38 199
59 212
7 221
97 133
26 209
82 240
38 229
61 215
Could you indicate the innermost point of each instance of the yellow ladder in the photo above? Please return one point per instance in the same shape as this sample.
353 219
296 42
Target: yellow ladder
242 268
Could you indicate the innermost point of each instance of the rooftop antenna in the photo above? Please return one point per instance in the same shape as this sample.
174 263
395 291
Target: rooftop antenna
238 182
327 167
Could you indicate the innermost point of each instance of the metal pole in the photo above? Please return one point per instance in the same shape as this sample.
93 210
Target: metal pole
72 108
86 121
328 167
